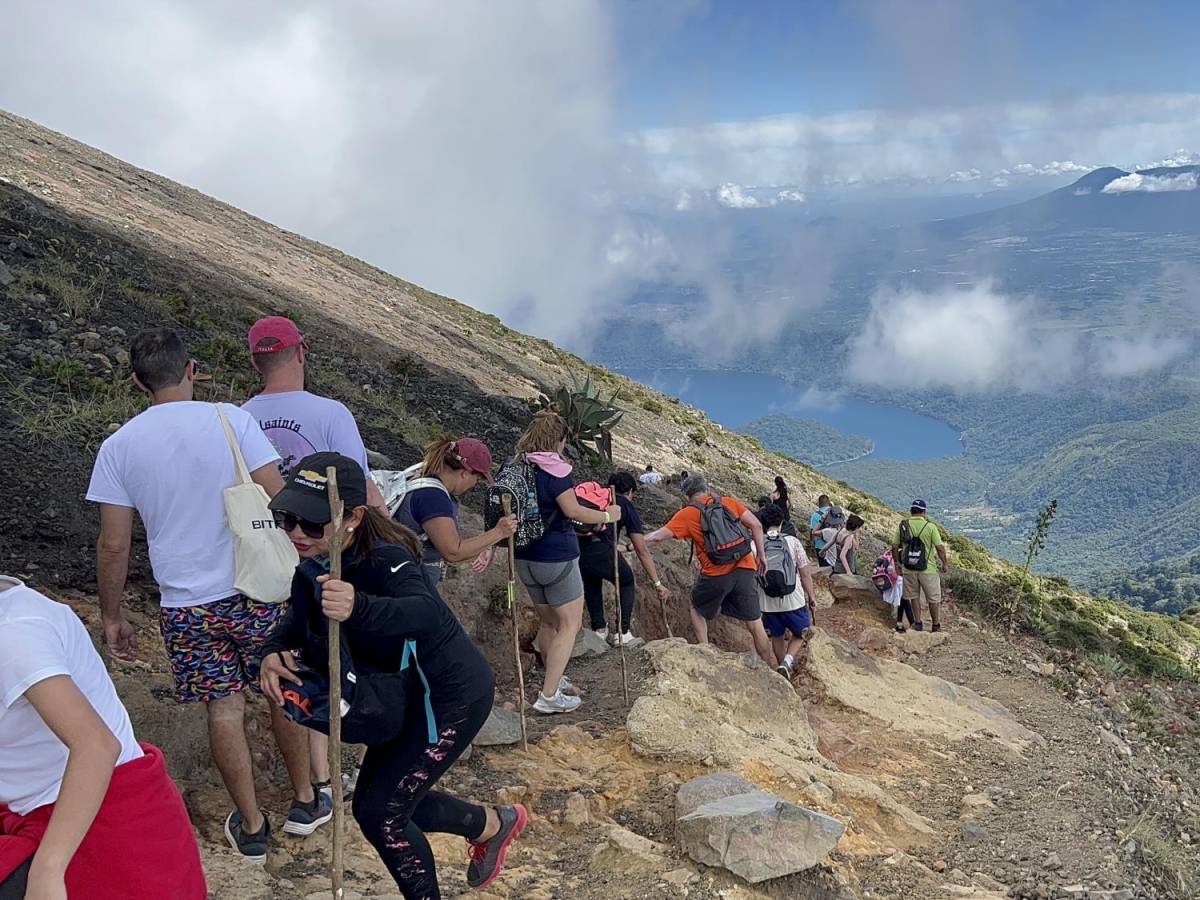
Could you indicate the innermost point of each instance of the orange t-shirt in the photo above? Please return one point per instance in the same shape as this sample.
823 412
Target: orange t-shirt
686 524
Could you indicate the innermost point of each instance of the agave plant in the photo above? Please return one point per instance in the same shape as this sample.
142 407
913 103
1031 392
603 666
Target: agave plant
589 417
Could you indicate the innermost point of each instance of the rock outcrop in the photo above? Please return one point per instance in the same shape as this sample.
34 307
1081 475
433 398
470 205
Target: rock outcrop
907 699
724 820
707 707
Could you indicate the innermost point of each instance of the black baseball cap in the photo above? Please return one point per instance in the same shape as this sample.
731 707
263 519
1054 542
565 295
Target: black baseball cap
919 504
306 493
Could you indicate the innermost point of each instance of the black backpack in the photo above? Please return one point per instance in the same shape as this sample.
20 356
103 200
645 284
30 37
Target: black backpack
517 480
914 553
726 539
780 578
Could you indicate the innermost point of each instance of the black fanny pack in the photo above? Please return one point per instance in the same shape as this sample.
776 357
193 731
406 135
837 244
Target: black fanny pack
374 706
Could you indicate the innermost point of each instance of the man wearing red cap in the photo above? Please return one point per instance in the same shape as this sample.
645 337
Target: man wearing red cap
299 423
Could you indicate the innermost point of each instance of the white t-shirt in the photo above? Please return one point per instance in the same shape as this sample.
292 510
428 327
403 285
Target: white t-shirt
171 464
794 600
299 423
650 478
38 640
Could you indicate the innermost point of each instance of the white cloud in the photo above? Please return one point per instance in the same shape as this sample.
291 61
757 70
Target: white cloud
1185 181
734 196
964 338
791 196
976 339
1180 157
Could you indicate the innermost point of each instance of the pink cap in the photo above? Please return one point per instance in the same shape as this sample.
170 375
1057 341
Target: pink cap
274 333
474 455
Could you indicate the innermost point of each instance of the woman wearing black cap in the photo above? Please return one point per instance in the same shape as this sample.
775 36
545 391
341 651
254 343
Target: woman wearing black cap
384 601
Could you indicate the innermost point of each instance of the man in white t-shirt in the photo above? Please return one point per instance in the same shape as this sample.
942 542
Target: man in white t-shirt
791 614
650 476
171 463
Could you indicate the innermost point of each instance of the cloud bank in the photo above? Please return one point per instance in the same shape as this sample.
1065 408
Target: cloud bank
1151 184
975 339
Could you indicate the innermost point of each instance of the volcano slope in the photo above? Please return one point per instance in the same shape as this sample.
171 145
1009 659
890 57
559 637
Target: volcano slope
1104 797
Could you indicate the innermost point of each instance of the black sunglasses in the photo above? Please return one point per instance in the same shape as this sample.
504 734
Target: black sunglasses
288 521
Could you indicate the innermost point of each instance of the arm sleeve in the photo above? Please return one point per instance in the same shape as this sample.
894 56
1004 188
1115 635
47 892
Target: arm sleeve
407 607
631 522
288 631
256 446
935 540
678 525
430 503
798 553
735 506
30 651
344 437
106 485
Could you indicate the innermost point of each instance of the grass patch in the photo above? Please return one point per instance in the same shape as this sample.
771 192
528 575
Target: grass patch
651 405
71 416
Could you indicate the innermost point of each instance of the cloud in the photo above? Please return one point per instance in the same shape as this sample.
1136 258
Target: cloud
1152 184
734 196
964 338
929 145
975 339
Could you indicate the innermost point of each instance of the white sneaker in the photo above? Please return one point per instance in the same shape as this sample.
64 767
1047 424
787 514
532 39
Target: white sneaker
628 639
559 703
603 634
565 687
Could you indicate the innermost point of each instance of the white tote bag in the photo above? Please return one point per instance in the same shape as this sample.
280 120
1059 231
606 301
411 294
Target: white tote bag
265 558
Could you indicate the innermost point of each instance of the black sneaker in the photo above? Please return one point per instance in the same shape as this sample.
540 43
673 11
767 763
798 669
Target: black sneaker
305 818
900 629
252 846
919 626
936 627
487 859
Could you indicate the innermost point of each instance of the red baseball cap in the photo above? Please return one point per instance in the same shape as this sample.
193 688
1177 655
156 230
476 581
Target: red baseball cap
474 455
274 333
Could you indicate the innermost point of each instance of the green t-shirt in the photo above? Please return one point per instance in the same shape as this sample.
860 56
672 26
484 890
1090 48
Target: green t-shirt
930 535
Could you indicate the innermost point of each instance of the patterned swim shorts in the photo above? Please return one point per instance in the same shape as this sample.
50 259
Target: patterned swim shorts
215 649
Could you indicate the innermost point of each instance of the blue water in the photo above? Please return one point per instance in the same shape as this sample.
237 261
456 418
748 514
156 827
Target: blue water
736 398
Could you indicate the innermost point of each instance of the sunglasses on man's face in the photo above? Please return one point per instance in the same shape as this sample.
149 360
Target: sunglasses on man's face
288 521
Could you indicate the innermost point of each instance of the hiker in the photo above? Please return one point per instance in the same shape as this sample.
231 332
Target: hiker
916 539
786 592
830 530
726 584
385 605
650 476
683 476
296 421
780 498
841 544
549 565
171 463
430 506
890 585
596 562
85 810
814 523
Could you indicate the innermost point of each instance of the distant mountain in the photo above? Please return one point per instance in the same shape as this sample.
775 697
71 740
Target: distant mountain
1159 201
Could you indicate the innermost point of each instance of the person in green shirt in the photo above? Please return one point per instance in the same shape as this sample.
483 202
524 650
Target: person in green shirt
925 581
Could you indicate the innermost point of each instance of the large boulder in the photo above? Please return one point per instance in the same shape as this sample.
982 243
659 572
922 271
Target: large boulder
708 789
854 588
706 707
503 727
907 699
757 835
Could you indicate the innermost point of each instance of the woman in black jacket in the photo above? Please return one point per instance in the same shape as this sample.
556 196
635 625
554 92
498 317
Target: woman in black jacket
384 603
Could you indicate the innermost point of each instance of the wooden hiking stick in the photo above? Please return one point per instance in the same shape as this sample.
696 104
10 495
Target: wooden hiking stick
335 692
617 591
512 608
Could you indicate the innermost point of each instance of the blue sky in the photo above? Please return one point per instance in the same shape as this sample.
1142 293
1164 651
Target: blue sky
696 62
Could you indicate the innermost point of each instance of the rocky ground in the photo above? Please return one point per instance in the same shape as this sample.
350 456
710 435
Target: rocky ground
1013 776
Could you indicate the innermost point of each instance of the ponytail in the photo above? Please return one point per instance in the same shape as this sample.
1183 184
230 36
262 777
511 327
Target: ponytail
543 434
440 456
376 529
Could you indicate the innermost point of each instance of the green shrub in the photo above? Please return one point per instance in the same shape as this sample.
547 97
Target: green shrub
651 405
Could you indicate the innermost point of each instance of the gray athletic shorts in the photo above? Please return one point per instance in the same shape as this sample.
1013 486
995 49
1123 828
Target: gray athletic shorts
551 583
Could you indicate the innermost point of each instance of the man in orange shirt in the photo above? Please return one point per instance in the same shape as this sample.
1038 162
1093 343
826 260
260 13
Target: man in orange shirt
731 587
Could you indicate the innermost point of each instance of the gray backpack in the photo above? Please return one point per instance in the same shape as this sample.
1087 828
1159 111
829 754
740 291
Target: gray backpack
780 577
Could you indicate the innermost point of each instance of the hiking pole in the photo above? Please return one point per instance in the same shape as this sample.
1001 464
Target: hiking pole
617 587
335 692
512 608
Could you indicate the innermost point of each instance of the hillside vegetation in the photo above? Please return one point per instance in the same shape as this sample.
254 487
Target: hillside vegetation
808 440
